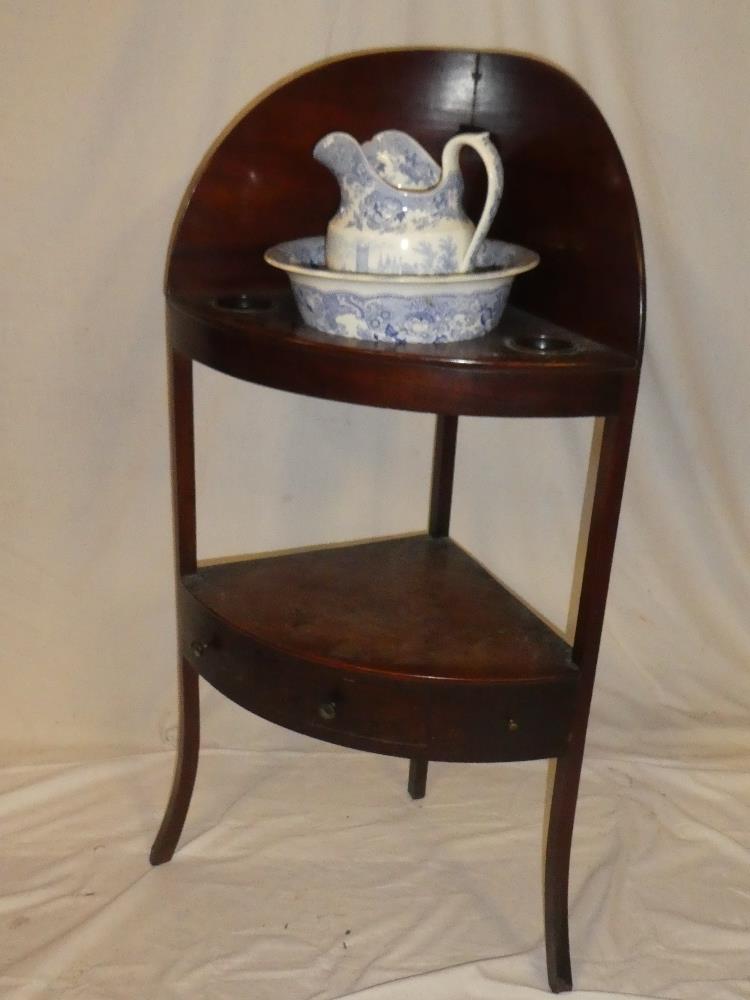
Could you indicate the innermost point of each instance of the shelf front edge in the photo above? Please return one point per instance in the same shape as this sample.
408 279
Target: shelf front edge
282 360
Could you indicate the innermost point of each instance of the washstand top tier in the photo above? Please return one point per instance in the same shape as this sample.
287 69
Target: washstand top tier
567 196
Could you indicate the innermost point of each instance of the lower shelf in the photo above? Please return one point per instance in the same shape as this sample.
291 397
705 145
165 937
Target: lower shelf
404 646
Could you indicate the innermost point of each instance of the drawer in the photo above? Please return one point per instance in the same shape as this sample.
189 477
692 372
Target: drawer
349 707
369 710
493 722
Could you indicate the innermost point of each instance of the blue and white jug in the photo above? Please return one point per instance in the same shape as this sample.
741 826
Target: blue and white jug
400 213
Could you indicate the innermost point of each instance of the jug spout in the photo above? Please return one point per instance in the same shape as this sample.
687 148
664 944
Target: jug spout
343 156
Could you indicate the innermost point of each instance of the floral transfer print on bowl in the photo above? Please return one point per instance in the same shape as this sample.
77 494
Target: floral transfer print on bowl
404 309
401 319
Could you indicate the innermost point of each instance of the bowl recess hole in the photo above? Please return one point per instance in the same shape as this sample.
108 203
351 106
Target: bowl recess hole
543 344
245 302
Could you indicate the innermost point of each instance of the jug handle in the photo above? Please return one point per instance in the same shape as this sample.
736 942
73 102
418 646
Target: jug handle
481 142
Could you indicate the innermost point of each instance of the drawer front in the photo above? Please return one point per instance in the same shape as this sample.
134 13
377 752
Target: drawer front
437 720
352 708
501 722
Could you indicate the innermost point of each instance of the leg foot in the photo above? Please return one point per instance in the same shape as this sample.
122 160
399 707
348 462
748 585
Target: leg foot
557 870
417 778
185 769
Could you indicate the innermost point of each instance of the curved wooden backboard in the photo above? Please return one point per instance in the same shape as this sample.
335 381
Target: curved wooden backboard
567 193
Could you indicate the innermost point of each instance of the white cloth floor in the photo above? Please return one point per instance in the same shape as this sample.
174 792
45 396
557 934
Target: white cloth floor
311 873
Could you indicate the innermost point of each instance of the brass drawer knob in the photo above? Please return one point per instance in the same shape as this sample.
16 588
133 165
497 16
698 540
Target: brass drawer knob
327 710
198 648
513 726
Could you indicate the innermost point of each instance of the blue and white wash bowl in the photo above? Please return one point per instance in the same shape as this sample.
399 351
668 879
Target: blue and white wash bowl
401 309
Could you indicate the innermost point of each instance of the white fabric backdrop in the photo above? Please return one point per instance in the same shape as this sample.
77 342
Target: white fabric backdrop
107 107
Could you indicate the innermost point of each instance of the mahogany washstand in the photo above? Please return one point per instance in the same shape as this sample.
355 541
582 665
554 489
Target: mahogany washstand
320 641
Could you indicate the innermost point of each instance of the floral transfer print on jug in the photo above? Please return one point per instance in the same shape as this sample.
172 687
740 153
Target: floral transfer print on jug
400 213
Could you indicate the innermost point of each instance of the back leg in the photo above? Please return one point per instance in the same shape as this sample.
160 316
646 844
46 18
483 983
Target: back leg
417 777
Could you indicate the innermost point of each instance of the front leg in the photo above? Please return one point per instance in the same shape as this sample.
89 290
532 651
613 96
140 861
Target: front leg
185 769
557 869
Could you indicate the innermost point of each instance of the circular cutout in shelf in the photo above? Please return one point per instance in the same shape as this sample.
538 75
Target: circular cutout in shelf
543 344
245 302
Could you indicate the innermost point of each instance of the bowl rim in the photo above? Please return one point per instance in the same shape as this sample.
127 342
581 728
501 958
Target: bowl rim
530 259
